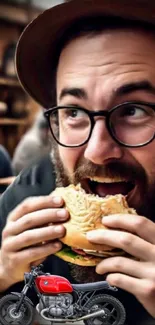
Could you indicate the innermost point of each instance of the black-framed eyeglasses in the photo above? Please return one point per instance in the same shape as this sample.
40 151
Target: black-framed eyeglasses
131 124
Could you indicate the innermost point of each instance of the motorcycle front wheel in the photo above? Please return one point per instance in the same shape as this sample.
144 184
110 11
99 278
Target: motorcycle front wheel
114 311
8 314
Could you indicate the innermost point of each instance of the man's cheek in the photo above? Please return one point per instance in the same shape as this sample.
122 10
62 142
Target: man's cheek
68 158
145 156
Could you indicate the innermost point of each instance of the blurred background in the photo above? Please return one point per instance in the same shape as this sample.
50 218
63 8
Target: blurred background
19 114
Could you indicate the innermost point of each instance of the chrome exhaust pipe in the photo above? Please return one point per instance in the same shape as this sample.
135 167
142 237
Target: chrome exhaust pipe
96 313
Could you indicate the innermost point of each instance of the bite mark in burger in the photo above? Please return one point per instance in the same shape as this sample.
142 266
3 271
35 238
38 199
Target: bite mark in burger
86 213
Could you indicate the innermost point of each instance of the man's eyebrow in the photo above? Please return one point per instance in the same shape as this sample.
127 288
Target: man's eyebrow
122 90
75 92
134 86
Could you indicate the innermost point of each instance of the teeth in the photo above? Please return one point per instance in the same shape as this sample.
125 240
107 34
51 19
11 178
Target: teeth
108 180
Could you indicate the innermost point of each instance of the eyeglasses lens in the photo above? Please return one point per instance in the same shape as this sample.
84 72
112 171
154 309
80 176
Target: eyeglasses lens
133 124
130 124
70 126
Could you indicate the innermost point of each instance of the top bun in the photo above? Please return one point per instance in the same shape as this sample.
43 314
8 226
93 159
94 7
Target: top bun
86 213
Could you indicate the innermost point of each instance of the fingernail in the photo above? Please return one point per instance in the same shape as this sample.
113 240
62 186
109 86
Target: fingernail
62 213
57 200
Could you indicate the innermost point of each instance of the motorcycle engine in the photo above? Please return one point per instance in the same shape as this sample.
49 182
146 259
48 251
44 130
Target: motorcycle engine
59 305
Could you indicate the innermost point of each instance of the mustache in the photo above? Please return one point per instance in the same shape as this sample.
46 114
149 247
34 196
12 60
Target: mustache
87 169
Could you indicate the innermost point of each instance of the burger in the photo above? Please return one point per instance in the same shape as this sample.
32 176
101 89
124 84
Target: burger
86 213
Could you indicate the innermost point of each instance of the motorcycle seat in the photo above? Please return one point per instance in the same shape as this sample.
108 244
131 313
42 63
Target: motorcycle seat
101 285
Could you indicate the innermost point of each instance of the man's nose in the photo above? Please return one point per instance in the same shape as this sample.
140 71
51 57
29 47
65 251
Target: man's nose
101 146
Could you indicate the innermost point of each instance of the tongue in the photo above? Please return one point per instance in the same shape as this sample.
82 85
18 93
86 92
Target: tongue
103 189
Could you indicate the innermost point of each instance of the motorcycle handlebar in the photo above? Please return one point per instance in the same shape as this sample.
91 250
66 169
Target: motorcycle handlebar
40 266
37 268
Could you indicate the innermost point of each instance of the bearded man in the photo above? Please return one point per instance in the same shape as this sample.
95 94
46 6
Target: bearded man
94 68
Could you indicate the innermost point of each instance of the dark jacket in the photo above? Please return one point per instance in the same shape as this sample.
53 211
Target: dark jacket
39 179
5 166
5 163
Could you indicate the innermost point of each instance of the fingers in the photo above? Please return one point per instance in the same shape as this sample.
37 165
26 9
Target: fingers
34 204
136 224
33 237
128 266
143 290
128 242
19 262
36 253
118 264
124 282
34 220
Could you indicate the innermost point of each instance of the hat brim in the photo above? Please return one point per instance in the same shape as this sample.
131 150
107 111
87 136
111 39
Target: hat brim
36 46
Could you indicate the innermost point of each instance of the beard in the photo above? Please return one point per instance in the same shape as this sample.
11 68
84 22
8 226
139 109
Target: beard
86 169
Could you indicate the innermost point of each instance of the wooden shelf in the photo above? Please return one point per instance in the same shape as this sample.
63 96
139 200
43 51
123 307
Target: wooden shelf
13 19
4 81
12 121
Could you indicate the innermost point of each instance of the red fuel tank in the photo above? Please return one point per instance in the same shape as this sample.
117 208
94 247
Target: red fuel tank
47 284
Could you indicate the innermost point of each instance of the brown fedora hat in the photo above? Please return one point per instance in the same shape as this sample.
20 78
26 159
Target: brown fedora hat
36 46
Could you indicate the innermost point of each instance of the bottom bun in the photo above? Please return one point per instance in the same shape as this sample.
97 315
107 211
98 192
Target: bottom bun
68 255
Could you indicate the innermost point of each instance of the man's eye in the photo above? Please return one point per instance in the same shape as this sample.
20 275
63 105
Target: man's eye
134 111
73 113
76 113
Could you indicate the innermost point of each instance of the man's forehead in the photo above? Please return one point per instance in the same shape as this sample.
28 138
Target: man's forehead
109 55
118 36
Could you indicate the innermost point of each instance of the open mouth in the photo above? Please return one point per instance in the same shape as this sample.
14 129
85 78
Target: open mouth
103 187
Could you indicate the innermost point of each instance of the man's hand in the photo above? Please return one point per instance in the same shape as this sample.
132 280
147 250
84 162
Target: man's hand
30 235
136 237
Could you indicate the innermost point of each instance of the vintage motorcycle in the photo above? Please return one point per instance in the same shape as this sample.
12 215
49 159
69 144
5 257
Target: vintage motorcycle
63 302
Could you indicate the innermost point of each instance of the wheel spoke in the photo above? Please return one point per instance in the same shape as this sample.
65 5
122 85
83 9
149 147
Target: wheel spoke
114 312
9 315
7 309
112 315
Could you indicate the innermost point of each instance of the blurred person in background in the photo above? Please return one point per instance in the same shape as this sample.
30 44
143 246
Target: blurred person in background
34 145
5 163
5 166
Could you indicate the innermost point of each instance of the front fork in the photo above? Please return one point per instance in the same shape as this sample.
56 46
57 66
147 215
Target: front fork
23 294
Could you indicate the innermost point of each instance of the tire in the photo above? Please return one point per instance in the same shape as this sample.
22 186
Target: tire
23 317
115 312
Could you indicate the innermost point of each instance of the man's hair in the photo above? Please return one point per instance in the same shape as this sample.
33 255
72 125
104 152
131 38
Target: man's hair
95 25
